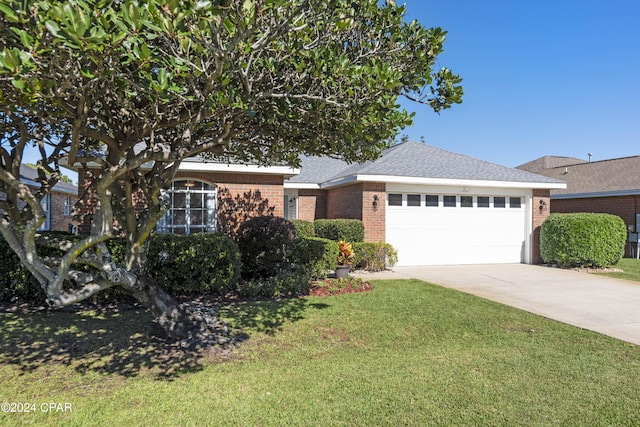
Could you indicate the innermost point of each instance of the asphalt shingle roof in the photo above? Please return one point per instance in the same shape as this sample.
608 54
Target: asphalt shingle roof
417 160
594 177
31 174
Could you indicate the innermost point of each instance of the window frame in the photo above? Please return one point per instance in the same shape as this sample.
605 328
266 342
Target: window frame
429 203
446 201
411 202
392 199
199 203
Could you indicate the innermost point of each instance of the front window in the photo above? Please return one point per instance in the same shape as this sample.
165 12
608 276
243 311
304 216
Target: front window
193 208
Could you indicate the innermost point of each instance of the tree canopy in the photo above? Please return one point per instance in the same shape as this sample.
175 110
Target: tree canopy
127 89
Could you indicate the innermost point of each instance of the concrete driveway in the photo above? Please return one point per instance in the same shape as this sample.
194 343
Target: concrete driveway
598 303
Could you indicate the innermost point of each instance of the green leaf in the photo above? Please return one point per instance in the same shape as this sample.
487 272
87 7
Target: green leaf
229 26
87 73
18 83
9 13
53 28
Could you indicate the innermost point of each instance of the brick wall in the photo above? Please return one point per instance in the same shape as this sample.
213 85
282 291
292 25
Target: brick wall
312 204
626 207
270 187
345 202
356 202
60 221
374 217
539 214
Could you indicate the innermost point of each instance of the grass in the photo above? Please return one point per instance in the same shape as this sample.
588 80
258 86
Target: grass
405 353
631 267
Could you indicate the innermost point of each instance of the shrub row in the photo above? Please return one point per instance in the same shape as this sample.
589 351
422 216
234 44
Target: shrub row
304 228
582 239
350 230
269 257
182 265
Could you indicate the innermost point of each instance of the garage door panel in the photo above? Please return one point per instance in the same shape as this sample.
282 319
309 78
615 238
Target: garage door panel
455 235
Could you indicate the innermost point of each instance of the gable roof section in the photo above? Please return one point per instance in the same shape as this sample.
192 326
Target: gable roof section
549 162
414 162
613 177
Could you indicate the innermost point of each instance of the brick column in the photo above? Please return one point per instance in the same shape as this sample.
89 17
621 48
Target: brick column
540 212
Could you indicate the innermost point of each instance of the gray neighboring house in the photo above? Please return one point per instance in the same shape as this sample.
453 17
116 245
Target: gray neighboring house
58 204
434 206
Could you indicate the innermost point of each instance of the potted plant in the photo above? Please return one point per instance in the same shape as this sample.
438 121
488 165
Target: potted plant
346 256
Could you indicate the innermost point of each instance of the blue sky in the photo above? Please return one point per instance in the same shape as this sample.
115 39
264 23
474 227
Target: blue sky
540 78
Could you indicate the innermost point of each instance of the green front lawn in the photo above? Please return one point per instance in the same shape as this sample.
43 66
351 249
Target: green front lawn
631 267
405 353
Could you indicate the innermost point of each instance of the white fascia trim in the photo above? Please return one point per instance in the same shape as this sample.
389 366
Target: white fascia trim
615 193
443 181
301 185
220 167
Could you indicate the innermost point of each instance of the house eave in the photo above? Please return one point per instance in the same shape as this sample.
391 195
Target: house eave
191 166
441 182
301 186
286 171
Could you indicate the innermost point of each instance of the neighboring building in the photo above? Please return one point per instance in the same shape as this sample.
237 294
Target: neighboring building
58 204
606 186
432 205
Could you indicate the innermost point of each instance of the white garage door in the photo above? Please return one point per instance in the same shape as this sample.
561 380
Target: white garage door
440 228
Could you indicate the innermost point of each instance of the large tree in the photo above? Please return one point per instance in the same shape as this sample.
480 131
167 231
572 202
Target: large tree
127 89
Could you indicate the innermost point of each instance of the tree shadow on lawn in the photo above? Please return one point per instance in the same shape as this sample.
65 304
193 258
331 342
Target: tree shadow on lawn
122 339
266 316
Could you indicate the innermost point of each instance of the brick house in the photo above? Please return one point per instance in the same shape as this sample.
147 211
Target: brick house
607 186
433 206
58 204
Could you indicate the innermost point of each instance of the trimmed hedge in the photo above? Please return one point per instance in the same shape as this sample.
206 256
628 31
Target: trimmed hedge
318 255
194 264
374 256
199 263
583 239
304 228
350 230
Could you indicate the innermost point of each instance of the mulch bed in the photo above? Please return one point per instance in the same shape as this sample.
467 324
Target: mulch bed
323 288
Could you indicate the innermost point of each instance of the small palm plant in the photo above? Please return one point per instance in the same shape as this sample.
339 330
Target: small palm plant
346 256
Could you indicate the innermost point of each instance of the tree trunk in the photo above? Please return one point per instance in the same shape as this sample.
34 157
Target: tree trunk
196 327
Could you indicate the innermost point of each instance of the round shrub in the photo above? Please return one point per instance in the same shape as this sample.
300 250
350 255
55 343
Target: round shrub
266 244
350 230
374 256
582 239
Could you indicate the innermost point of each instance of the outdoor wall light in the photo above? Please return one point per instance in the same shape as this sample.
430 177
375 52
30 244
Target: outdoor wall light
543 204
375 200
